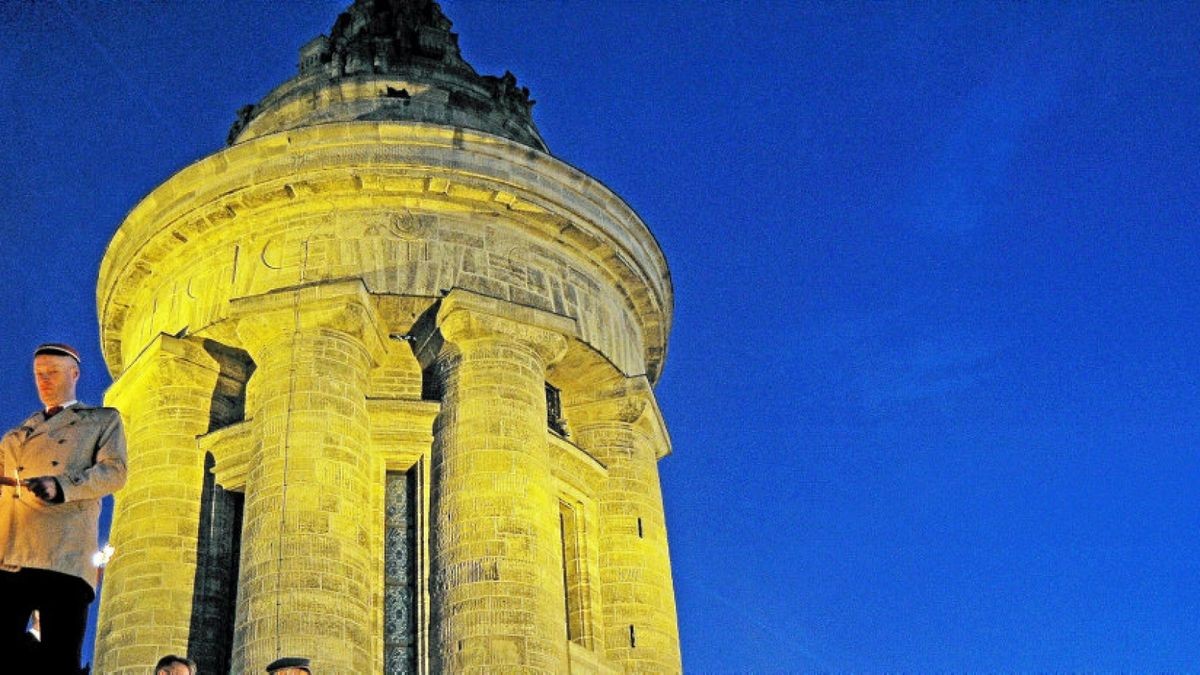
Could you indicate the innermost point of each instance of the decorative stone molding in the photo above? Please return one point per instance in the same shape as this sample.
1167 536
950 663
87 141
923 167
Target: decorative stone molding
629 401
212 210
344 306
463 325
132 382
463 316
233 449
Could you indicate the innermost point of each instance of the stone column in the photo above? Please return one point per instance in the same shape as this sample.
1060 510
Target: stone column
164 398
496 591
641 632
307 575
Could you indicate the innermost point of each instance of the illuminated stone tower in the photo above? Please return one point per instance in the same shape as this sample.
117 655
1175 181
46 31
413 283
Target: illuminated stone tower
386 370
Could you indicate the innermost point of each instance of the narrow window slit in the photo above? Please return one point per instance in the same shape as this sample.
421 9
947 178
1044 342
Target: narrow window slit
554 416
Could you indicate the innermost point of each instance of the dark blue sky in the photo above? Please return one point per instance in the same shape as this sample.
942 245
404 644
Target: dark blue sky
932 383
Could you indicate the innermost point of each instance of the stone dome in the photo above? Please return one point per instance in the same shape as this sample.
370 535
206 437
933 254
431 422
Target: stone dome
391 60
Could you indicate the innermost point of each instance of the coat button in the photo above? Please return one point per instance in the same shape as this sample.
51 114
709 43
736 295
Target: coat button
20 468
54 462
61 441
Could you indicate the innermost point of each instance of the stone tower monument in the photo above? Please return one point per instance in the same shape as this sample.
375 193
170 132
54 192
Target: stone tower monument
386 368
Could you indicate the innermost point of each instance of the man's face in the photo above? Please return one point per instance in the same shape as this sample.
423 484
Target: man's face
55 377
175 669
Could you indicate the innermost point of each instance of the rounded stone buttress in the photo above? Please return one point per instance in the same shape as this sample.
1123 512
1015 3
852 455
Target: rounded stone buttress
495 543
306 575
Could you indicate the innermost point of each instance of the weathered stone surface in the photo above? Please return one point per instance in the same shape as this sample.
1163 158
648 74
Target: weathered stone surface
391 60
333 348
165 399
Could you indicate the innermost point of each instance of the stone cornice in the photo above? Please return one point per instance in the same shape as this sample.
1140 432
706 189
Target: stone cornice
232 447
181 352
630 401
344 306
463 316
346 163
401 430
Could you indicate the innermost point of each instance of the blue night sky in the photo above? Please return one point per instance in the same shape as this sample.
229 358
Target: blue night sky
932 382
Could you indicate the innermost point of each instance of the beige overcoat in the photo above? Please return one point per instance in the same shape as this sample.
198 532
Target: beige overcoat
84 448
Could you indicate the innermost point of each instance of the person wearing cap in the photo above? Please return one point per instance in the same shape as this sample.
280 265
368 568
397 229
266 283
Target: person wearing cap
55 467
289 665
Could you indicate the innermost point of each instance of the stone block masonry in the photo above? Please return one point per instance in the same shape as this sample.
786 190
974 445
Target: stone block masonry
334 342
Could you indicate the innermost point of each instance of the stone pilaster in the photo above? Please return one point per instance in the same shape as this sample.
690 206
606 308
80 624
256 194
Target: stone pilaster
308 580
497 570
641 632
164 397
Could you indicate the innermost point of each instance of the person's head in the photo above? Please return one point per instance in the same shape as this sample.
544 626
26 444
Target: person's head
289 665
55 372
175 665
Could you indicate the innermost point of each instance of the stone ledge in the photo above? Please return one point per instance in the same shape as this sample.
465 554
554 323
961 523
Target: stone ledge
541 196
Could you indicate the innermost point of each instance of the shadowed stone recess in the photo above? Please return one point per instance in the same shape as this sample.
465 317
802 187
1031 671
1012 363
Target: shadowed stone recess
399 569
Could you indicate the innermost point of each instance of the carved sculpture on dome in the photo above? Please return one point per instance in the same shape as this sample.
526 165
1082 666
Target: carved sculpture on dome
383 36
410 41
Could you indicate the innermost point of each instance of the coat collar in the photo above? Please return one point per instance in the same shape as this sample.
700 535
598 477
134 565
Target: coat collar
38 424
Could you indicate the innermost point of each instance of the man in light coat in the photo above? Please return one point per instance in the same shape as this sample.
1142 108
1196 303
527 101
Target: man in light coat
54 469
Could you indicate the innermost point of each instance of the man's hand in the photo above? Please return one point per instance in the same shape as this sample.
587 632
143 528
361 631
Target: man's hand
46 488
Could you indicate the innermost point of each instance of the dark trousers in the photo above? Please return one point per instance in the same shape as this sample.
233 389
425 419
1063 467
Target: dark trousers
62 602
